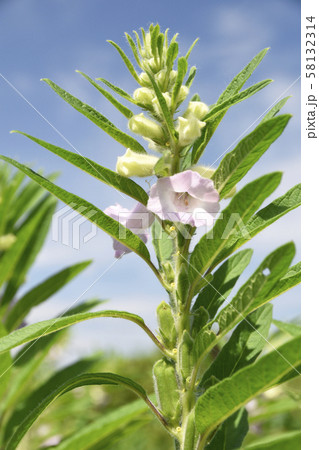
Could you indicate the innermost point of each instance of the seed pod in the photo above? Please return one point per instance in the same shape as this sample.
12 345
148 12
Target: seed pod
183 282
166 389
190 432
200 319
186 355
166 324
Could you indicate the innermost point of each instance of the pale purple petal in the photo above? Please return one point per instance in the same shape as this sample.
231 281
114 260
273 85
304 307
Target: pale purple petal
136 220
186 197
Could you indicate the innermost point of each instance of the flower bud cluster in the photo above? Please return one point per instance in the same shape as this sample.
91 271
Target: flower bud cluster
157 67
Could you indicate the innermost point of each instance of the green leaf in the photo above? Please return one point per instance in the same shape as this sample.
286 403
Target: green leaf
123 184
123 109
126 60
106 223
163 105
233 100
118 90
286 441
221 283
172 53
181 72
5 368
262 219
201 143
97 118
275 110
242 348
240 79
237 163
36 396
41 293
40 329
72 383
133 48
191 48
233 220
32 248
163 243
255 292
28 359
104 427
191 76
290 328
222 400
11 258
231 433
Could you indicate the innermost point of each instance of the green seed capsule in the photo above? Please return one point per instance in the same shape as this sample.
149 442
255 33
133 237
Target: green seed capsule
166 388
190 432
186 355
183 282
166 324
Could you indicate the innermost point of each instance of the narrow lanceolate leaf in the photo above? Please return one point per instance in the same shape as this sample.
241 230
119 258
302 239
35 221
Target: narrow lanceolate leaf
5 368
133 48
262 219
106 223
118 90
104 427
233 220
191 76
172 53
40 329
233 88
290 279
243 347
221 283
275 109
237 163
285 441
73 383
28 359
97 118
34 245
11 257
220 401
122 184
40 293
255 292
231 433
191 48
163 105
123 109
239 97
240 79
126 60
290 328
36 396
181 72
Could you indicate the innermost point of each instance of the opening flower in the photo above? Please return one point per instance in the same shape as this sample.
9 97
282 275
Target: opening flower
185 197
137 220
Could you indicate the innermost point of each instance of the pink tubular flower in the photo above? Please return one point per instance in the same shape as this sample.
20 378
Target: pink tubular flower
137 220
186 197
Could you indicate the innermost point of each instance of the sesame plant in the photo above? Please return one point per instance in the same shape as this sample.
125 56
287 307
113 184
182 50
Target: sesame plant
213 357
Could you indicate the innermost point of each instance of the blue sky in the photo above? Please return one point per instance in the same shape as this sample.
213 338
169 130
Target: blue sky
53 38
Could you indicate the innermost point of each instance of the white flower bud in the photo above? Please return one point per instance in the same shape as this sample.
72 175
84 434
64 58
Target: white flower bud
143 95
160 78
6 241
145 127
198 109
172 77
206 172
133 164
153 146
144 80
182 94
156 104
189 130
